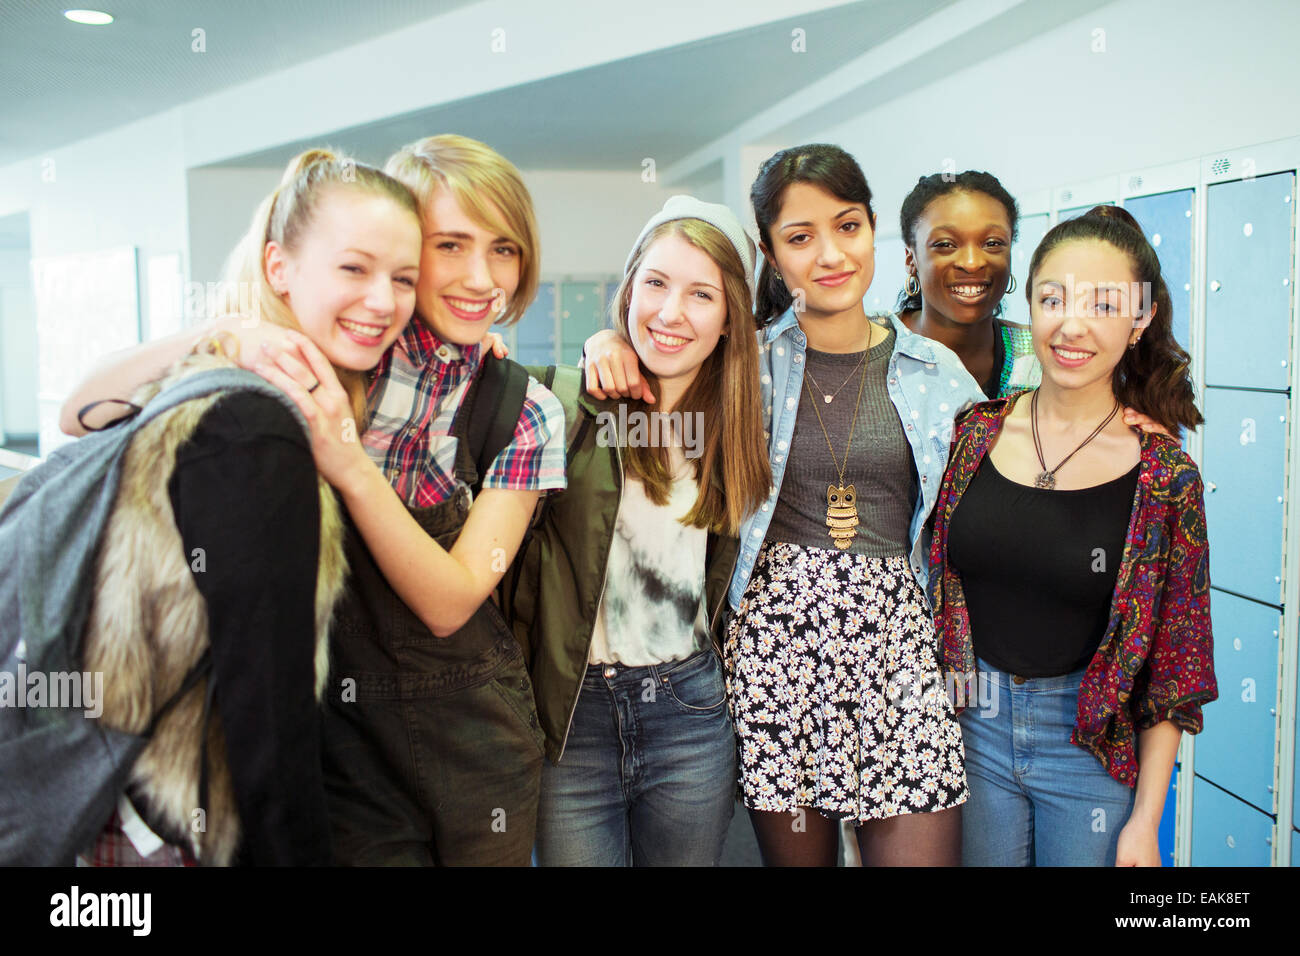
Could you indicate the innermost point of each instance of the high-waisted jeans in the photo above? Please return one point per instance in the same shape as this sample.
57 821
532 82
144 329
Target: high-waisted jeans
648 773
1035 798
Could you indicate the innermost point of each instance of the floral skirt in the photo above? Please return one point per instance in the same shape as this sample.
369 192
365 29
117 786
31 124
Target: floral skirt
835 691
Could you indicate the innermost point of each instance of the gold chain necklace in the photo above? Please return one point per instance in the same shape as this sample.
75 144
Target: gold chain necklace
841 502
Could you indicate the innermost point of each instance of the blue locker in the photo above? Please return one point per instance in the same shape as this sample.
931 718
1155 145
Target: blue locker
1244 471
535 332
1235 749
582 306
1248 282
1166 218
1168 819
1226 832
1030 232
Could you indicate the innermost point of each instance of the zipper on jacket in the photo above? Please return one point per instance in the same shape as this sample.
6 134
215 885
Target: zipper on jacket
622 489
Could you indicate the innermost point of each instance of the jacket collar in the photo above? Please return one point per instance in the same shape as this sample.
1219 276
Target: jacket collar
911 344
782 323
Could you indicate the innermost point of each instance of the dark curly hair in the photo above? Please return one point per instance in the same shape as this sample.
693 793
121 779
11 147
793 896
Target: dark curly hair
1153 376
927 190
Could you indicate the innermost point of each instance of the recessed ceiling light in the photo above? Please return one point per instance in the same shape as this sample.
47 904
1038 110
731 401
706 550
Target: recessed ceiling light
93 17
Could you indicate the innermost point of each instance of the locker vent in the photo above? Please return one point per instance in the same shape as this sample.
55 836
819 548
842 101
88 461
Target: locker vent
1066 195
1135 182
1220 166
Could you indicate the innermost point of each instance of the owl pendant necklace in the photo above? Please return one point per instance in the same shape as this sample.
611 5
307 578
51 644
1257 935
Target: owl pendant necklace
841 500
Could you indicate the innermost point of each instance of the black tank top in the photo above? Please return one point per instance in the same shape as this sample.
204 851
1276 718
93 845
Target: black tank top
1038 568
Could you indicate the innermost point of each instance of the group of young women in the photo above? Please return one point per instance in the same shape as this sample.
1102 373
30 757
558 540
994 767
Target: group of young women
578 655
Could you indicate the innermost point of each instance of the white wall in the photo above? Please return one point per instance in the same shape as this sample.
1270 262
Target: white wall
1175 81
17 343
221 204
588 220
123 188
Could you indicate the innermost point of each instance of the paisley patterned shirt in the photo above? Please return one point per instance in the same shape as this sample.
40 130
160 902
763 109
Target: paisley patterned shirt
1156 660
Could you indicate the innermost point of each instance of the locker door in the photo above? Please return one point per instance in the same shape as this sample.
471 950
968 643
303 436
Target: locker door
1235 749
1165 834
1245 457
1248 282
535 332
1076 211
1166 218
581 314
1227 832
1030 231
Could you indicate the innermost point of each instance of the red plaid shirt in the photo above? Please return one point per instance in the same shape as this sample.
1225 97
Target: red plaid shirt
413 397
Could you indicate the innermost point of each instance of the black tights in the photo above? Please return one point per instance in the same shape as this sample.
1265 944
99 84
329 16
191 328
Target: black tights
806 838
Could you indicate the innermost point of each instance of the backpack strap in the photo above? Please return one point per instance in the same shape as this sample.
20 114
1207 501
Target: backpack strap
565 383
489 415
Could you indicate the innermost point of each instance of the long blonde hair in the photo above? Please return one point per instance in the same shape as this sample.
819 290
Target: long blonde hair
284 217
488 187
733 470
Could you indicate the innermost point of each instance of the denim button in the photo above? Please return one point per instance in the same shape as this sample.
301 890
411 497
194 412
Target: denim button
610 672
1016 678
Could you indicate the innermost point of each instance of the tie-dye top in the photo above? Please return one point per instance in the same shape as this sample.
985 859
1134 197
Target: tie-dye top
1156 660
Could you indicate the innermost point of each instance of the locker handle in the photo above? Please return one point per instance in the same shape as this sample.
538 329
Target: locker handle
1215 285
1210 487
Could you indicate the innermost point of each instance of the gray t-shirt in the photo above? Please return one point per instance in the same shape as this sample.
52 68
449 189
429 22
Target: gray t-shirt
880 465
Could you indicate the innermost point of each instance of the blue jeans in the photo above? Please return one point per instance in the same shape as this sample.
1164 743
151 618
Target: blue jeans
648 774
1035 798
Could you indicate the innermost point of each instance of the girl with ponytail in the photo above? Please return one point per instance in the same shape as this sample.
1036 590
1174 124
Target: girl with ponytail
1070 569
225 544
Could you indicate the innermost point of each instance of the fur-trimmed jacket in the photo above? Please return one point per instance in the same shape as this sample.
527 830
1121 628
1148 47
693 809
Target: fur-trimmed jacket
148 627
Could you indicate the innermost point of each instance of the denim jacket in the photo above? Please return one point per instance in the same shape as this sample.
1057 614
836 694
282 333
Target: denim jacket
927 384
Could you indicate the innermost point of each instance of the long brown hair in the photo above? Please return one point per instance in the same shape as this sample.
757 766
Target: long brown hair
1153 376
733 471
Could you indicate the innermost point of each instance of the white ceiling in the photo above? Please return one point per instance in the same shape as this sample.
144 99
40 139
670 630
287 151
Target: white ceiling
62 81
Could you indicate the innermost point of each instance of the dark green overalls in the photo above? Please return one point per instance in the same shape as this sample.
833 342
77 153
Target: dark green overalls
432 749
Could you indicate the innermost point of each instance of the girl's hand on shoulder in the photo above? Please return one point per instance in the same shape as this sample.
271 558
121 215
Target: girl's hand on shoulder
1135 419
1138 845
494 343
613 369
307 377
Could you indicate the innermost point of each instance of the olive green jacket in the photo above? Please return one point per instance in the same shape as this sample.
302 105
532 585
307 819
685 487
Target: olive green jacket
552 592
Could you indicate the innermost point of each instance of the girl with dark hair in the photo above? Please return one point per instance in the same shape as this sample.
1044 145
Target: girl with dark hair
958 231
1070 568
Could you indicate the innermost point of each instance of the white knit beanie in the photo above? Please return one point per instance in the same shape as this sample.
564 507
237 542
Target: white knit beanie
715 214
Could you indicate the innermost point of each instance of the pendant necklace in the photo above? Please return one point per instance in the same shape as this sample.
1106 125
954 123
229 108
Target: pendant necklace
1047 478
828 397
841 501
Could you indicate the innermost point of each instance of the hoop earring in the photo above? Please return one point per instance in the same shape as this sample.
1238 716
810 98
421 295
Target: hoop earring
913 285
1011 286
